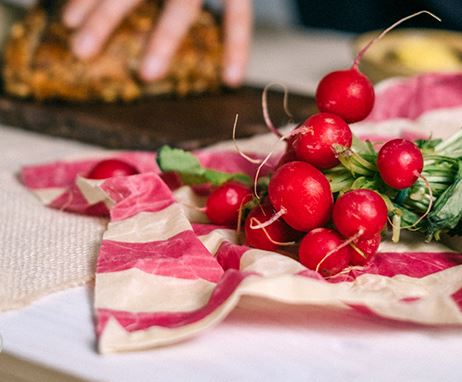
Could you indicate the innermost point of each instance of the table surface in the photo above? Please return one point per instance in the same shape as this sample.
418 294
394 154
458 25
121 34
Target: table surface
258 340
255 342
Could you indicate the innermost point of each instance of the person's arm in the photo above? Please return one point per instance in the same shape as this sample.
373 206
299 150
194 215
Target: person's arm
94 21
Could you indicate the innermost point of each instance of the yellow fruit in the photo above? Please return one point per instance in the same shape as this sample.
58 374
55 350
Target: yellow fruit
425 55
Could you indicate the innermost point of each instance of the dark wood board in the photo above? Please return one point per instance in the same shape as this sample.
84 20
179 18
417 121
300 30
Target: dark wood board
146 124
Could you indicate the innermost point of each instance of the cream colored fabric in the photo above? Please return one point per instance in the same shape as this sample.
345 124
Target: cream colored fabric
144 226
382 294
42 250
214 239
150 291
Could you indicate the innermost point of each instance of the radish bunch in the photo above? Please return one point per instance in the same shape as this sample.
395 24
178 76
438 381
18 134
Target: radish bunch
327 199
334 217
342 97
301 193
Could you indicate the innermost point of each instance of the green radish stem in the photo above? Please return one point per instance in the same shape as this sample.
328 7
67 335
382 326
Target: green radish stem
396 223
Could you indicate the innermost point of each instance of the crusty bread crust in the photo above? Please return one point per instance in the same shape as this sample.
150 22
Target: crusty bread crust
38 61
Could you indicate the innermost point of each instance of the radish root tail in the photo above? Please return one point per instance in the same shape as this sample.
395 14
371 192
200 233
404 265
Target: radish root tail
278 243
236 146
357 249
264 106
346 271
270 221
193 207
343 245
377 38
268 156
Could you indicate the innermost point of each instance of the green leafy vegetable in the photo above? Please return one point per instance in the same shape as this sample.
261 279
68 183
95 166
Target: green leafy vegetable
410 207
188 167
447 211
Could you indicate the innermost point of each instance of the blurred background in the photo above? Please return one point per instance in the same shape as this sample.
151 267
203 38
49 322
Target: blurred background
323 33
294 42
355 16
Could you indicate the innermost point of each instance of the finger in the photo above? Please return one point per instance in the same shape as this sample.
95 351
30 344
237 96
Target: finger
102 21
76 11
238 31
174 23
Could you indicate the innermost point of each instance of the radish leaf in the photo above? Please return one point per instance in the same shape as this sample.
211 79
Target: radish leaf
188 167
447 211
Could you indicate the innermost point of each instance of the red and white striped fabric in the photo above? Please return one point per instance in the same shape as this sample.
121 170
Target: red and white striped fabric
163 274
56 183
417 107
161 278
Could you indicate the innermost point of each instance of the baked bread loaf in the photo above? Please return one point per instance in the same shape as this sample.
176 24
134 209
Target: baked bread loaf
38 61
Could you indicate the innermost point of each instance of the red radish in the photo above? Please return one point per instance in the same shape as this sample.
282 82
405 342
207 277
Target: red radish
204 189
224 203
400 163
301 193
349 93
268 238
368 248
111 167
318 134
361 213
171 179
289 155
318 251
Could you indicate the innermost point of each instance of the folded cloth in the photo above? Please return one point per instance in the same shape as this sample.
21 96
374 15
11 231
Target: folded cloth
162 278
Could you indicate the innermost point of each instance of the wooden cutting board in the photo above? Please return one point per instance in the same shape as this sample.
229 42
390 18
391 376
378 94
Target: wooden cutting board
145 125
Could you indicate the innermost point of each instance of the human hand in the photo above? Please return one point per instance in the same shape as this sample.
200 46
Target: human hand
95 20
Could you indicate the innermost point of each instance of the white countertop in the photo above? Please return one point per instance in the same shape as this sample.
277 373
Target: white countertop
257 341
